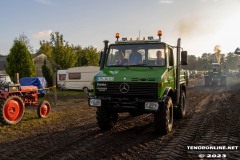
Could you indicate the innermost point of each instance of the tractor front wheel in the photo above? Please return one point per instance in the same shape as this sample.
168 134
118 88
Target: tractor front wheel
163 118
43 109
11 110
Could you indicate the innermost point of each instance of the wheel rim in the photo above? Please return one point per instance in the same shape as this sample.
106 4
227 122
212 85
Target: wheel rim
170 114
45 108
85 89
13 110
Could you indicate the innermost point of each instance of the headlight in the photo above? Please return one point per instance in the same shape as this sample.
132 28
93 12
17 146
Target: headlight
95 102
151 106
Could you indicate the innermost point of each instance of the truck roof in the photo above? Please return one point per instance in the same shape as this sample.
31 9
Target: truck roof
139 42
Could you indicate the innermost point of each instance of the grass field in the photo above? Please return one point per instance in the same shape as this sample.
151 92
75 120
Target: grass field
69 106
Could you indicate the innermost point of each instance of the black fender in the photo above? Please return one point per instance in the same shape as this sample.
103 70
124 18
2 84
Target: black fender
168 92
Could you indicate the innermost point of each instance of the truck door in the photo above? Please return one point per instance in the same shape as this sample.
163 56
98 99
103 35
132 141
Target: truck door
170 68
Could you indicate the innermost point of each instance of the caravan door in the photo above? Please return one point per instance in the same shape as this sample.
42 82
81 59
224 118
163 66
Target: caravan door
61 77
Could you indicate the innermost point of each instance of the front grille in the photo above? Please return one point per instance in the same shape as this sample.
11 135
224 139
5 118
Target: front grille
144 79
134 89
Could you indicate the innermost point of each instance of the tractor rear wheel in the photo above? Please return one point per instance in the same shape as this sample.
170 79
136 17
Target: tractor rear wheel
180 111
43 109
11 110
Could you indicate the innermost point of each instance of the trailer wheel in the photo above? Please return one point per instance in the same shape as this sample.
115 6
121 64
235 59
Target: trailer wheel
11 110
105 118
85 89
43 109
180 111
163 118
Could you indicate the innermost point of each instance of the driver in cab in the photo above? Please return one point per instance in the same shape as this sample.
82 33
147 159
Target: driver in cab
135 57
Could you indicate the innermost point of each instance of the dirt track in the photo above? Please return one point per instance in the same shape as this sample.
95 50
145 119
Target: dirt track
212 119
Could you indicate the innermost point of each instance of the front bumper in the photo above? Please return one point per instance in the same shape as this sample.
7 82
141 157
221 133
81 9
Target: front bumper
125 103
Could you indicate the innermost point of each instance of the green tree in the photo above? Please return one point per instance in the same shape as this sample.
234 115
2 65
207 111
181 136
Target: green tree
45 48
26 41
78 49
20 61
47 74
89 57
232 61
192 62
60 54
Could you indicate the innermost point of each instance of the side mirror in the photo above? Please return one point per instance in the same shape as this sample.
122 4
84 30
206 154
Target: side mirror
184 59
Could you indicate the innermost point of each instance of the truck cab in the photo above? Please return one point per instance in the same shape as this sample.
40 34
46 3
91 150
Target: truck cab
150 82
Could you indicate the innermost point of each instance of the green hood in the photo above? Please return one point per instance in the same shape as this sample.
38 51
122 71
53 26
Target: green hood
130 74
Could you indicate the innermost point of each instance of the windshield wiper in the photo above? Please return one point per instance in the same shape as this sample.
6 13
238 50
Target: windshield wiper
137 65
140 65
117 65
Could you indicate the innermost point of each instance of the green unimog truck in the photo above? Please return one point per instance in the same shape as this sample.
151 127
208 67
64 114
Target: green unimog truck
142 86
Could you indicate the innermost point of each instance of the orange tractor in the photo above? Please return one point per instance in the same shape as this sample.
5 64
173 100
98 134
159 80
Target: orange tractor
13 100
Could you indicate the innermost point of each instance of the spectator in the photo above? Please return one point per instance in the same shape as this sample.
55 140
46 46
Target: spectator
120 60
160 61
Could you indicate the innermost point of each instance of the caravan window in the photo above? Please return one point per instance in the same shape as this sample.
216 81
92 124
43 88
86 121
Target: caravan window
62 77
74 75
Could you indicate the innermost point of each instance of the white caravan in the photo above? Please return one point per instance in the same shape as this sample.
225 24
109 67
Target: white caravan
61 76
80 78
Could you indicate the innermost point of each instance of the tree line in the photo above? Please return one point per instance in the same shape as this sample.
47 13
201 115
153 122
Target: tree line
230 61
60 55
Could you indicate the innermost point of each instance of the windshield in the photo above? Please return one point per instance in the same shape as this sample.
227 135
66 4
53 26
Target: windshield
136 55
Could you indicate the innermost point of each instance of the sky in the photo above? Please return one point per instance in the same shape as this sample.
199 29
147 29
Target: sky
201 24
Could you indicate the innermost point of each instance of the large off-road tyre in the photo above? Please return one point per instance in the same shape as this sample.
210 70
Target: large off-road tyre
223 81
11 110
207 80
163 118
106 119
180 110
134 113
214 82
43 109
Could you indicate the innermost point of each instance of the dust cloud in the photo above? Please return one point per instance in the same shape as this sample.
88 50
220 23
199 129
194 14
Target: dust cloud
217 53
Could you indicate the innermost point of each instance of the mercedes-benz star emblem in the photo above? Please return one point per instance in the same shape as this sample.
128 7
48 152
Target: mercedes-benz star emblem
124 88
